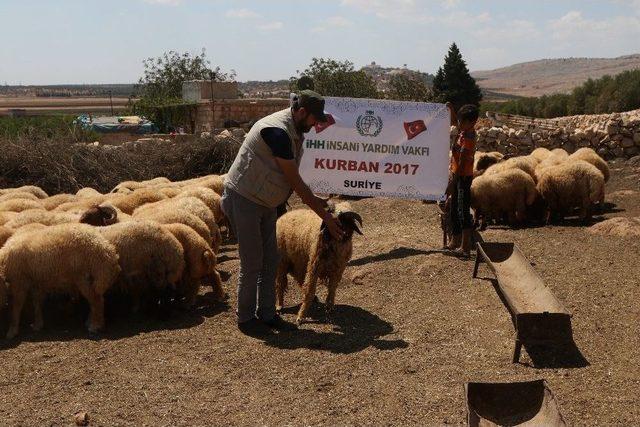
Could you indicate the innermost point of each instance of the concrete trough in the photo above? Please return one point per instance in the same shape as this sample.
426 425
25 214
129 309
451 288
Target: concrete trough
528 404
538 316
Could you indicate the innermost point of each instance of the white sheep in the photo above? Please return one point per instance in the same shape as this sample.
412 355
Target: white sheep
574 184
67 258
309 253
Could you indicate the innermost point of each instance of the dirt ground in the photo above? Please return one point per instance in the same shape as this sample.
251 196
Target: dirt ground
411 327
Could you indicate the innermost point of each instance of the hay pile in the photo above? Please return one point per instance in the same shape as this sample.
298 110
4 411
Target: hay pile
61 167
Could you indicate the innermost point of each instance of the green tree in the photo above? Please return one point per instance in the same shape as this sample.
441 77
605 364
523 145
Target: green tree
335 78
163 76
409 88
453 82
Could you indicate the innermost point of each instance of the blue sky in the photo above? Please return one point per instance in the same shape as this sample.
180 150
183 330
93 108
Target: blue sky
73 41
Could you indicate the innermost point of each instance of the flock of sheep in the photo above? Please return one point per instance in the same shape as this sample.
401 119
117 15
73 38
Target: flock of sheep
541 186
153 242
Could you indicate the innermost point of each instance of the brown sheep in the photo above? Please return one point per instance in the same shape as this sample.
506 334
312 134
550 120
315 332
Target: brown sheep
200 263
590 156
209 197
130 202
69 258
540 153
150 257
18 195
524 163
99 215
19 205
575 184
214 182
310 254
191 204
88 192
53 202
5 233
36 191
6 217
181 216
506 193
39 216
482 160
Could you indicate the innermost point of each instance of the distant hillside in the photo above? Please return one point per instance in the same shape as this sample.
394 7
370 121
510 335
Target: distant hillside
547 76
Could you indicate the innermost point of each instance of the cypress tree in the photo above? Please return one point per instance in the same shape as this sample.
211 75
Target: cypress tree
453 82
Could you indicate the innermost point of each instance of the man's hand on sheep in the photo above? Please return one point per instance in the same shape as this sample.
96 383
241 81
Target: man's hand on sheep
317 204
333 225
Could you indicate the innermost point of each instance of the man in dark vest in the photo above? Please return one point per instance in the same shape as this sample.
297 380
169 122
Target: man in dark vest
260 179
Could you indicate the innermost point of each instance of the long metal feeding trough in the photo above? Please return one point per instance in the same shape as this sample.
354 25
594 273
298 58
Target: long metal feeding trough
528 403
538 316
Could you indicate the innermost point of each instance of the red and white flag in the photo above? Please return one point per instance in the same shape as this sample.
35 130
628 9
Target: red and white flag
414 128
320 126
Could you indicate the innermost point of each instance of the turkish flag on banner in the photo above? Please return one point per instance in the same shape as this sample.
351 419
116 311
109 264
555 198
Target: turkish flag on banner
414 128
320 126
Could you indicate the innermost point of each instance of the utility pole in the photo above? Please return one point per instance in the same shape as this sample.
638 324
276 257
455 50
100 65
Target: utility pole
111 103
212 76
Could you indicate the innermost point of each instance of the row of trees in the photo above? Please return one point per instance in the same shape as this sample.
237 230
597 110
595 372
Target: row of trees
604 95
452 82
161 83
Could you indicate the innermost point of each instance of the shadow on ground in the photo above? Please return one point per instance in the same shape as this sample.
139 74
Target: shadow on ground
354 329
561 355
64 320
397 253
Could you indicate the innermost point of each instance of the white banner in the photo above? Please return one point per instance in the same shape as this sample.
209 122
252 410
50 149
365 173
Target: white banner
381 148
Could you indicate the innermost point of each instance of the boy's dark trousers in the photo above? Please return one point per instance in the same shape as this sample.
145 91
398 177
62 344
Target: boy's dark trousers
460 209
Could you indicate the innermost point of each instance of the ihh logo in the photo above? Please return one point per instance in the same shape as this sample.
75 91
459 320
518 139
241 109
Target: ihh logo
368 124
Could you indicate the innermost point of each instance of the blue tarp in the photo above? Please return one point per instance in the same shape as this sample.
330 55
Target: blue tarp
116 124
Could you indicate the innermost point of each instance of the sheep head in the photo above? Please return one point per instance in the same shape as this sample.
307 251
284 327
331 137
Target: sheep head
349 221
100 215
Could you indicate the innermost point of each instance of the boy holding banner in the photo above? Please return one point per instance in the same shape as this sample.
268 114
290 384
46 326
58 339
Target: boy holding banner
460 177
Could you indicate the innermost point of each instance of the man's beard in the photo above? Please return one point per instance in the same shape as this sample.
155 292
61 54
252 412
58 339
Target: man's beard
302 127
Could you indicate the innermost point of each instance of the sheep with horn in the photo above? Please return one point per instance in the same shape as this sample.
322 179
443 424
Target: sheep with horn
309 253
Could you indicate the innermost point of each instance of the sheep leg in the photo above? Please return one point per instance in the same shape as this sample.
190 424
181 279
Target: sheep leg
19 298
38 322
330 302
309 293
96 312
218 290
281 285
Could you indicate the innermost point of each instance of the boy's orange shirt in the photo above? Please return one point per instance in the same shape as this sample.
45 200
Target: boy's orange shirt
463 149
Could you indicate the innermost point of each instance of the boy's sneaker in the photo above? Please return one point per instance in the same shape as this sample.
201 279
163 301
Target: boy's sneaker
253 328
280 324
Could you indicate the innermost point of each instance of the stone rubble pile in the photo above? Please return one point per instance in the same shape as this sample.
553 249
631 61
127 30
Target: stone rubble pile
615 135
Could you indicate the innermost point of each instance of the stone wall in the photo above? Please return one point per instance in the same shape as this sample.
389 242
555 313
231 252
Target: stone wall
240 110
615 135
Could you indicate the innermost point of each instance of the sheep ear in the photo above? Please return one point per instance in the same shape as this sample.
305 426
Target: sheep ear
208 258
